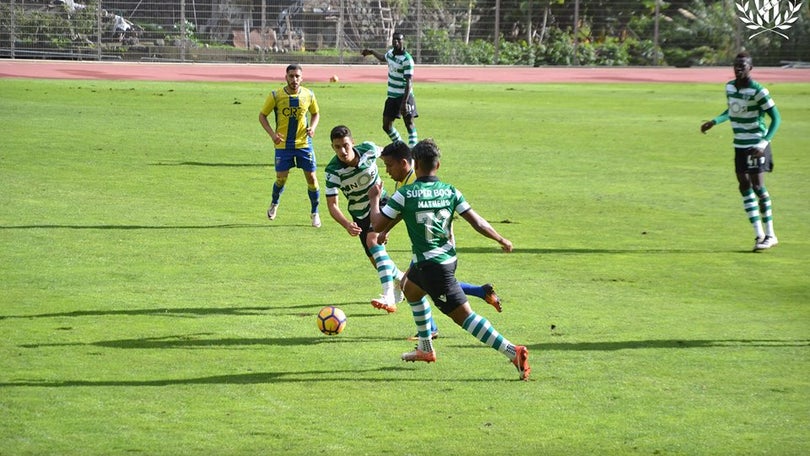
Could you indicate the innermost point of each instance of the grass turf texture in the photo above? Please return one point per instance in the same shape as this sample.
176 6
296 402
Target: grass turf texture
149 307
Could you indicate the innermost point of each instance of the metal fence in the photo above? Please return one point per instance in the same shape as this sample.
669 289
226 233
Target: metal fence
539 32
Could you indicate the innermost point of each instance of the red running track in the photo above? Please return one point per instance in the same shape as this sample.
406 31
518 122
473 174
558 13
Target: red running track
40 69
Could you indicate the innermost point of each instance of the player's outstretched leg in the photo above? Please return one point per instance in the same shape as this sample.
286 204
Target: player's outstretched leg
482 330
485 292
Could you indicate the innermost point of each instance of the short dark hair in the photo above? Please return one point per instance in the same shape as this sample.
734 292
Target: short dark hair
293 67
341 131
744 55
397 150
398 34
427 154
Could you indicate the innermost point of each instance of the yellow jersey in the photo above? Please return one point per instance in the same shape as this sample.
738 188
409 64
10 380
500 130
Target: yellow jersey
408 179
291 116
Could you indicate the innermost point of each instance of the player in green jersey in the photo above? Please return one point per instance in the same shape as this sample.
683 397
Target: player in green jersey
293 137
352 171
427 207
400 101
748 103
399 165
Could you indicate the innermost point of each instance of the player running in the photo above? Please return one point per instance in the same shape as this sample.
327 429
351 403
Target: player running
399 165
352 171
427 207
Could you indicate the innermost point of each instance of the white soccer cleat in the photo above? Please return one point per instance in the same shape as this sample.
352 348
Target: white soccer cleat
316 220
271 211
419 355
766 243
383 304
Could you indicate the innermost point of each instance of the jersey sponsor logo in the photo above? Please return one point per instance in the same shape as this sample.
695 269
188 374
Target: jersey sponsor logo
429 193
360 181
763 16
292 112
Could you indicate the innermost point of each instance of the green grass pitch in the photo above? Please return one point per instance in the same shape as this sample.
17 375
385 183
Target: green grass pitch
148 307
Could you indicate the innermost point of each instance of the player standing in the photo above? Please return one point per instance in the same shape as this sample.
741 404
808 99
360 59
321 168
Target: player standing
427 207
748 102
293 137
400 102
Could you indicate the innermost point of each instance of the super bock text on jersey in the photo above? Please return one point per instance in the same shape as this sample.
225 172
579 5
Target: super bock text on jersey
427 207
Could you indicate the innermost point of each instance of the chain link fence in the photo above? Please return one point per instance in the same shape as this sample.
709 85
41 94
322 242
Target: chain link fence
525 32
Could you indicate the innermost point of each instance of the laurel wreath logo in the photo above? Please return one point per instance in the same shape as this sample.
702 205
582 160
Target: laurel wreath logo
765 16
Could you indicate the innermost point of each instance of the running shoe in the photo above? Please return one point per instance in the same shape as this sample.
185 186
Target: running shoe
521 362
766 243
381 303
491 297
419 355
271 211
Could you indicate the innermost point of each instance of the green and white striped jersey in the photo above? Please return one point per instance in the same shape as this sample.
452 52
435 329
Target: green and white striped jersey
353 181
746 111
399 66
427 208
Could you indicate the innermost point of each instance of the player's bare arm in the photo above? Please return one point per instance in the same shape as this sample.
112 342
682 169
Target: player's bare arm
313 124
482 226
382 237
380 222
269 129
337 215
377 55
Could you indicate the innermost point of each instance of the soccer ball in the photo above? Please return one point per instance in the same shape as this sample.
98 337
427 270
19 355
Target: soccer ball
331 320
334 78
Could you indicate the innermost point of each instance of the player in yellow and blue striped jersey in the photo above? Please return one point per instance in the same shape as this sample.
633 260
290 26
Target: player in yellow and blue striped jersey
293 137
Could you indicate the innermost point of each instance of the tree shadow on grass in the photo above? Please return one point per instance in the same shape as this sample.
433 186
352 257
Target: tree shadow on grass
588 251
539 349
214 165
222 165
137 227
252 378
189 311
198 340
670 344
